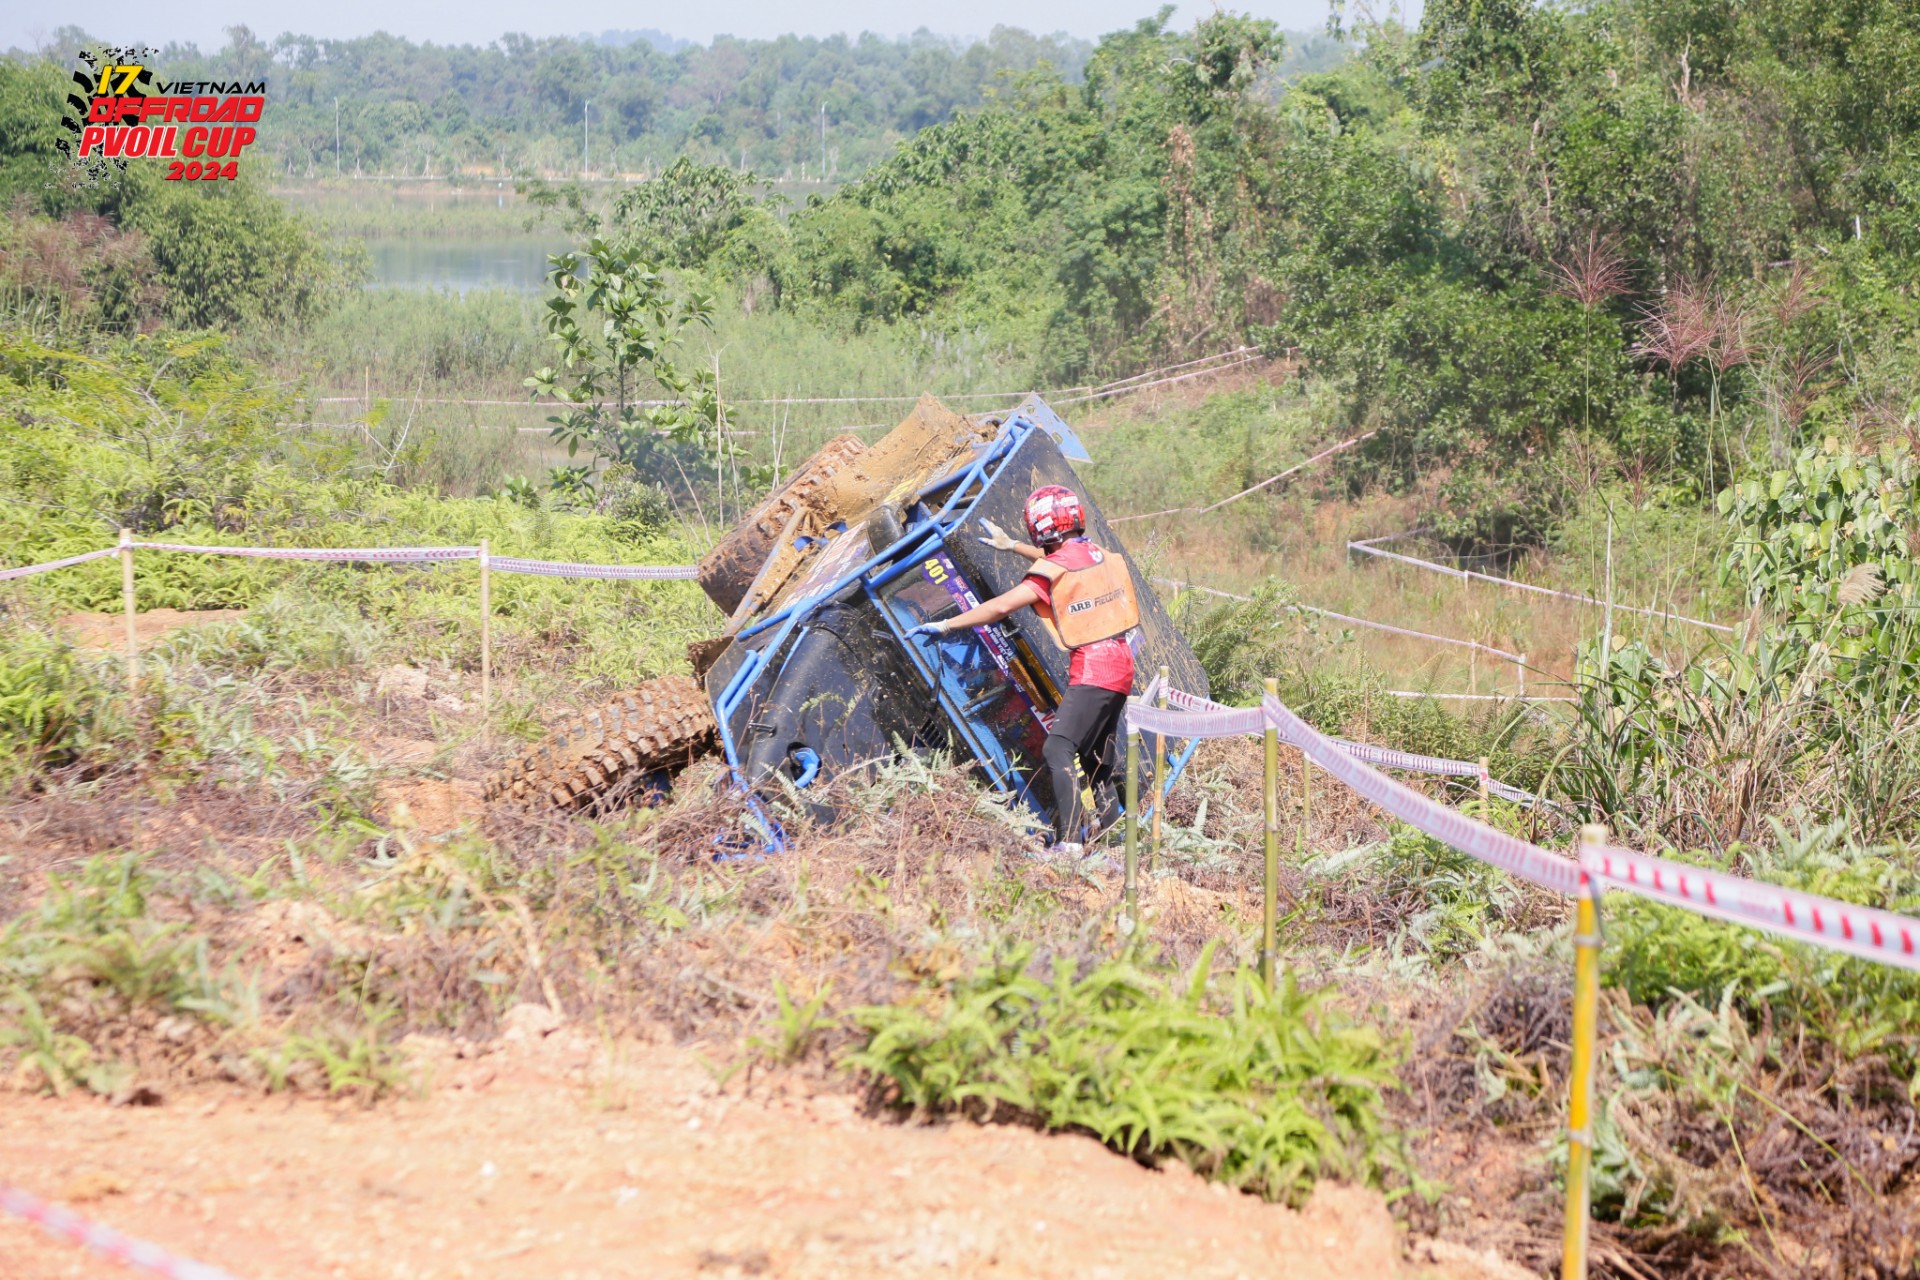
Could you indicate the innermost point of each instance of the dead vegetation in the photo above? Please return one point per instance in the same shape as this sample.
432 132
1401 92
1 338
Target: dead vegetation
282 913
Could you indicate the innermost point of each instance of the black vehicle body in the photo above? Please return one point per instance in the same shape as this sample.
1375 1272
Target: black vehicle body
826 677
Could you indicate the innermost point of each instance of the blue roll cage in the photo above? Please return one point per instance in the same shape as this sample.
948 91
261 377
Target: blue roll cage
967 480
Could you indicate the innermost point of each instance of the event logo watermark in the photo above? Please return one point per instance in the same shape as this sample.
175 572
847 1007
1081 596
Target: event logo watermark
119 111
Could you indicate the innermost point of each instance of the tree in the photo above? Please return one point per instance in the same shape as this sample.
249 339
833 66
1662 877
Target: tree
617 325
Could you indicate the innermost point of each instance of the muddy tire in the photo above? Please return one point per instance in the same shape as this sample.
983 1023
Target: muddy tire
728 570
607 757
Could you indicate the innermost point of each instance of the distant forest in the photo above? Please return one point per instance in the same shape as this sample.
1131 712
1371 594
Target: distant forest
624 102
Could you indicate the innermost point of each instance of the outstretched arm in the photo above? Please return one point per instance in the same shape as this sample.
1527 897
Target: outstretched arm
1000 540
1001 606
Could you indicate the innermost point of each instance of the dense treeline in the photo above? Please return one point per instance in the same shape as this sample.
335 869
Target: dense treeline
427 109
1538 245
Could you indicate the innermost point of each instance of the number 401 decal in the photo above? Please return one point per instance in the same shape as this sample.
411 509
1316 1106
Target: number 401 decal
935 571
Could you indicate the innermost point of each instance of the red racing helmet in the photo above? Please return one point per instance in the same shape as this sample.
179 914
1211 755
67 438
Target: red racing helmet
1054 514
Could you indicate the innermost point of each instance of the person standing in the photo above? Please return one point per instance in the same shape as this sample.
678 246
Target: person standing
1086 595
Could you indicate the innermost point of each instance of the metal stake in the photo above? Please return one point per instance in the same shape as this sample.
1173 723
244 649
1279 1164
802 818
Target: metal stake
1132 918
1159 777
486 629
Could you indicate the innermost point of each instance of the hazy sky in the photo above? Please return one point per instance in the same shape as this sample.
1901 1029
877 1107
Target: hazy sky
26 25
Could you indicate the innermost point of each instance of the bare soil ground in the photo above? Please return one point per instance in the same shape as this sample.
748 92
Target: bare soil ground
109 630
564 1156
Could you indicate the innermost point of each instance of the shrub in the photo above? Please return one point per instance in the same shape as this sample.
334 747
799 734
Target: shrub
1262 1090
53 706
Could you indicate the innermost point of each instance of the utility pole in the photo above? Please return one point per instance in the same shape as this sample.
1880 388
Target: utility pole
336 136
823 140
583 137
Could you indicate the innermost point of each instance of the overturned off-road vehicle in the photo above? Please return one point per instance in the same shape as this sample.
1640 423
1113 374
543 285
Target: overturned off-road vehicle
815 672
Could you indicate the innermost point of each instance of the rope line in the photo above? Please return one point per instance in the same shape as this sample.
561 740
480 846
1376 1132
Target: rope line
27 571
1368 548
1345 617
1300 466
1118 386
64 1224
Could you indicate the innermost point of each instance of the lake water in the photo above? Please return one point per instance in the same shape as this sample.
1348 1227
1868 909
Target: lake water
518 264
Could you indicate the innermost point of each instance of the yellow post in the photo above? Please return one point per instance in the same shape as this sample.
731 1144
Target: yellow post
1586 1017
1270 906
486 630
1159 777
1132 917
126 600
1520 675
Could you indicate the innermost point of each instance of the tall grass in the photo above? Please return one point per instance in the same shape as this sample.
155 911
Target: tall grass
369 209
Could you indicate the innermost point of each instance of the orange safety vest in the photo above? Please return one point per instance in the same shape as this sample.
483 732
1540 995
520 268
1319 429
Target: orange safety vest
1090 604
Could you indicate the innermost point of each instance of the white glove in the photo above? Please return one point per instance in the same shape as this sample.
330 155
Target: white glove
997 538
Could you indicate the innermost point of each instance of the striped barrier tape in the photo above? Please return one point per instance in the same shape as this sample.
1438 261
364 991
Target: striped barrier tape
1367 548
563 569
1509 853
1384 756
1220 722
384 555
1116 387
27 571
1866 932
63 1223
1104 392
1496 848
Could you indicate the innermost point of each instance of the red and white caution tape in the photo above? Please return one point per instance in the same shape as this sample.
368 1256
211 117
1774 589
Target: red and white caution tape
1367 548
1214 722
64 1223
563 569
1839 926
1867 932
1502 654
28 570
384 555
1119 386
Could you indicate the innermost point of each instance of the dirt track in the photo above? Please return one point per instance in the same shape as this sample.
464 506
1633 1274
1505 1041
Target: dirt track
540 1160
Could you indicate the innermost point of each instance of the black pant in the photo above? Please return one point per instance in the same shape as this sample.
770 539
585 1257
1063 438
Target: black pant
1085 730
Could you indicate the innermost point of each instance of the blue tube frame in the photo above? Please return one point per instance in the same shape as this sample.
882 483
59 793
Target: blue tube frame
876 572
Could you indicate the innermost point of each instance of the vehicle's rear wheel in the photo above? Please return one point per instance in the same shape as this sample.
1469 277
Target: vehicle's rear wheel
729 569
612 756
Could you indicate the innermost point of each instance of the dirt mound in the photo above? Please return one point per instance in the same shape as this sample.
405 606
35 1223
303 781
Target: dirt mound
109 630
554 1153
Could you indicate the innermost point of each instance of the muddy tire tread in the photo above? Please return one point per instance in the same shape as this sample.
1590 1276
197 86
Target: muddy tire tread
664 723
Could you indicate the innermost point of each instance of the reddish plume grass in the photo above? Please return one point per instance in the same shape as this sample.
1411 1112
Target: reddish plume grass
1591 273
